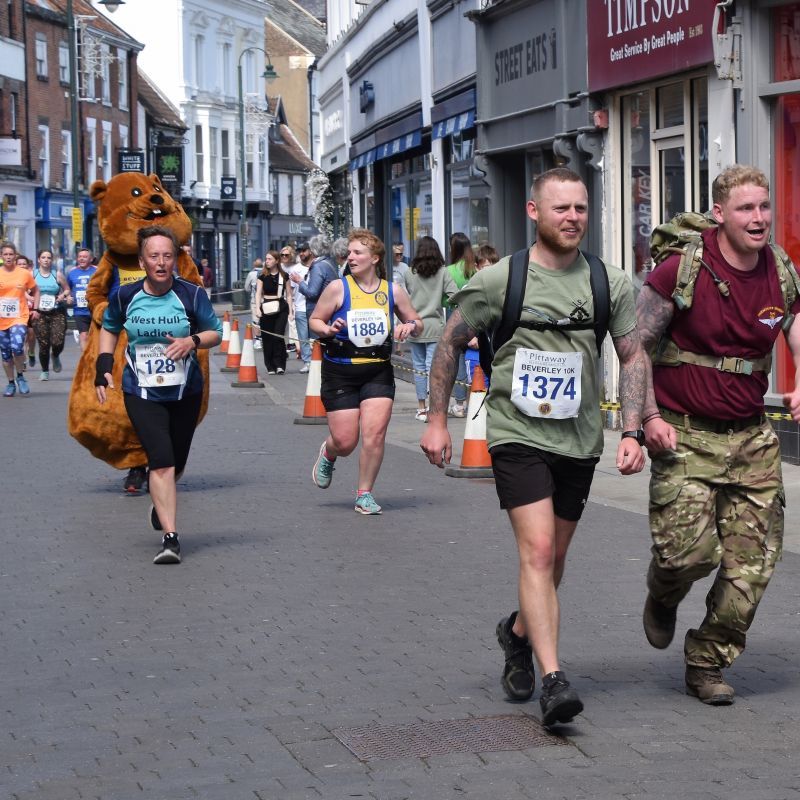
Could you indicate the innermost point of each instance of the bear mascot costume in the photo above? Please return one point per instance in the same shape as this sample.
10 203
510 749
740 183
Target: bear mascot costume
128 202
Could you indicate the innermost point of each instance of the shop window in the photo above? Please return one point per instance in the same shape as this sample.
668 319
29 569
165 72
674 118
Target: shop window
466 190
665 157
786 186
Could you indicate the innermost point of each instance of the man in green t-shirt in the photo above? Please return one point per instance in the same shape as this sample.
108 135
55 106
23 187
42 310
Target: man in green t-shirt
544 425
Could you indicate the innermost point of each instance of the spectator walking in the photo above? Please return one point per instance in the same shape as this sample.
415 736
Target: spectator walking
316 254
273 297
427 281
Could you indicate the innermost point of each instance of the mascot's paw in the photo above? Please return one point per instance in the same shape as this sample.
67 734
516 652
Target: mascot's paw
136 480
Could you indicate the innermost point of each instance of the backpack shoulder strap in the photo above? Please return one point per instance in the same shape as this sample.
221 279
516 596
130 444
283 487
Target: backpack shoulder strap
688 269
789 281
515 296
601 298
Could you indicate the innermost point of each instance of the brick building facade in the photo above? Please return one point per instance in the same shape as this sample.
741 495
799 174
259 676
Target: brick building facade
106 122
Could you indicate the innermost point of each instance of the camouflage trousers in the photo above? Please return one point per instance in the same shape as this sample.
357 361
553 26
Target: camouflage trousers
716 502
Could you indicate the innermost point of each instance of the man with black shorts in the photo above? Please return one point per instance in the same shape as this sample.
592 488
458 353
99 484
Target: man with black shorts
544 426
78 279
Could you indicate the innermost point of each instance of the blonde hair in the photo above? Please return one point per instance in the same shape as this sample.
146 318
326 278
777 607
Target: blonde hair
733 176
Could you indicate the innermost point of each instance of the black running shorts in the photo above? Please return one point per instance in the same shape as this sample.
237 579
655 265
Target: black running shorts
525 474
346 385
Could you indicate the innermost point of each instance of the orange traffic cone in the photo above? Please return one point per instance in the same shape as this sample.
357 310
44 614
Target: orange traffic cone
475 459
313 411
234 350
248 375
226 334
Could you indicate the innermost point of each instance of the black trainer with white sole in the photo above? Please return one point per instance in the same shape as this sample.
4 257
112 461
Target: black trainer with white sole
170 552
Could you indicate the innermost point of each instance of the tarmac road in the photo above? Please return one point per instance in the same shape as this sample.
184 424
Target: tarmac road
294 623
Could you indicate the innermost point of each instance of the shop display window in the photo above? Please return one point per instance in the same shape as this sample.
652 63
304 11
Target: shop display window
786 181
665 156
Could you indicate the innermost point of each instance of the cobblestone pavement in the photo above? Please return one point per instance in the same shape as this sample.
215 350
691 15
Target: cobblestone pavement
292 617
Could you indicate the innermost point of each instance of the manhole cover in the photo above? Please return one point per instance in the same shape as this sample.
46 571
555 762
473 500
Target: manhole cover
420 739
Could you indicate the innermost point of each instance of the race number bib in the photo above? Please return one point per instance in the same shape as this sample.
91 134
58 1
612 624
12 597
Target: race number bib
367 327
547 384
80 299
154 369
9 307
47 302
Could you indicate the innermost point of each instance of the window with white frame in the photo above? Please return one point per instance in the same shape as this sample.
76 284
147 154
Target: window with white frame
63 62
106 151
66 160
249 145
262 162
297 195
13 107
198 154
213 135
44 155
124 138
91 150
105 74
199 72
227 69
226 153
41 56
122 78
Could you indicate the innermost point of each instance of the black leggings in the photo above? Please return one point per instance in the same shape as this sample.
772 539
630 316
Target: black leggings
165 429
274 346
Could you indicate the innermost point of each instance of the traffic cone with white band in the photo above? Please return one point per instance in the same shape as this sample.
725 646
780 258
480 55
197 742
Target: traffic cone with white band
234 350
248 375
226 334
475 459
313 410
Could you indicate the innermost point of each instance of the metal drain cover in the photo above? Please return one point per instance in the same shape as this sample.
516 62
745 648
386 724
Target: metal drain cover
421 739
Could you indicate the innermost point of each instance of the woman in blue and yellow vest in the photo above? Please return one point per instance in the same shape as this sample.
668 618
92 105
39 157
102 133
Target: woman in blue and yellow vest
354 318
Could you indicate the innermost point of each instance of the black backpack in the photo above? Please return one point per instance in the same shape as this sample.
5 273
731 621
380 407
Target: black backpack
489 342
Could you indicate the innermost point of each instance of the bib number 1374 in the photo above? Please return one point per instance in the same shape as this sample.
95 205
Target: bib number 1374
547 384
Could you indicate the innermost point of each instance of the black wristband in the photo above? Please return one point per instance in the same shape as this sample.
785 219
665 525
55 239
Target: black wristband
103 365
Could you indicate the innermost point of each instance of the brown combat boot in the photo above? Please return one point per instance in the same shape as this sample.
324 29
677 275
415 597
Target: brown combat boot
659 622
708 686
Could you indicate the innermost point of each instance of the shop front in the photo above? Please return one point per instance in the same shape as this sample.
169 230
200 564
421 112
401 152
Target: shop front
658 125
54 230
532 108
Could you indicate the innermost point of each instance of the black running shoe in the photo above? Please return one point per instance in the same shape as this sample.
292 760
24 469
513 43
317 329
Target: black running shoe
152 518
519 679
136 480
170 552
559 701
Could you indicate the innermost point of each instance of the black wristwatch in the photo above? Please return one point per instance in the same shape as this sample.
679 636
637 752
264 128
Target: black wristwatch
638 435
196 340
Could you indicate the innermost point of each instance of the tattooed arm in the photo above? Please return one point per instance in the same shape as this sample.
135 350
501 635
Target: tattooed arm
632 384
654 314
436 443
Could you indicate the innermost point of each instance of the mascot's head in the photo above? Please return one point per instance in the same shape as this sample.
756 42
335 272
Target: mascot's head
132 200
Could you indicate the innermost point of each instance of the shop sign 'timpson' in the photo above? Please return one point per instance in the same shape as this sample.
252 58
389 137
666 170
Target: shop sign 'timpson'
646 38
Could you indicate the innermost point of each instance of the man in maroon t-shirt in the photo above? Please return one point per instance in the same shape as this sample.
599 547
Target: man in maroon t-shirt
716 492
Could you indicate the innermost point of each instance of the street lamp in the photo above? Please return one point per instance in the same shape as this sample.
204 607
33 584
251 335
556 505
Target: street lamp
269 75
77 217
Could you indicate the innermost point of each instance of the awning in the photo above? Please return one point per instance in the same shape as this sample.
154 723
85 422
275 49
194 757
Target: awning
392 148
451 125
